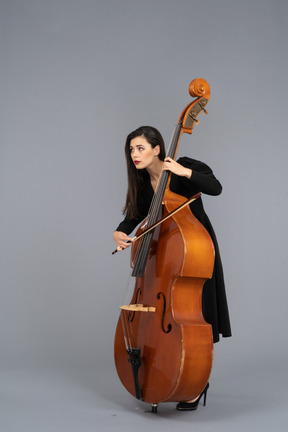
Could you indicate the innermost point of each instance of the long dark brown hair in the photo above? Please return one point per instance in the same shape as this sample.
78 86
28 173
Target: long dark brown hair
136 178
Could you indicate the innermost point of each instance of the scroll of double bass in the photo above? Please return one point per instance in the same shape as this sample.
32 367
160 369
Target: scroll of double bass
163 346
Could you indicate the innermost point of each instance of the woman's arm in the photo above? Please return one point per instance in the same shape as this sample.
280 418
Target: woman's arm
128 225
193 175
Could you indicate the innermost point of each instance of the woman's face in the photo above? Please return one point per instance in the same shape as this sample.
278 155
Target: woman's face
142 153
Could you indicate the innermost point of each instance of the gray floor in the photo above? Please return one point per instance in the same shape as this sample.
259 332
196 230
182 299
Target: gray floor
79 400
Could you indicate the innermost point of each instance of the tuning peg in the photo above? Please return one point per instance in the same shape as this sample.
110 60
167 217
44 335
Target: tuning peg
202 106
192 115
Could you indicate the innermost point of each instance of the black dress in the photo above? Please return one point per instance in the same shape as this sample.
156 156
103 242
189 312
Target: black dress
214 303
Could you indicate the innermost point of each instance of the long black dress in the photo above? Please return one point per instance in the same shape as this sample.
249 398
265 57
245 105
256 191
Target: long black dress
214 302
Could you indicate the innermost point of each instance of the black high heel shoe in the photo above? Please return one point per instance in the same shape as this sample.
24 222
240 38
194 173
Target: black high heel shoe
192 406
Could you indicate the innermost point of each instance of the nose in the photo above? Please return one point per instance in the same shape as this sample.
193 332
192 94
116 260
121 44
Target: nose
135 154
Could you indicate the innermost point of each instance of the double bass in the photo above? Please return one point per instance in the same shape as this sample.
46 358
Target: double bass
163 347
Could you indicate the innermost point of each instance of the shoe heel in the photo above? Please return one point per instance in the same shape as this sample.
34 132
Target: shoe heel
205 394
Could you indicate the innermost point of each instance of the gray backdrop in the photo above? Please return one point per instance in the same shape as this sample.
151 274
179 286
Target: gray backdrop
76 78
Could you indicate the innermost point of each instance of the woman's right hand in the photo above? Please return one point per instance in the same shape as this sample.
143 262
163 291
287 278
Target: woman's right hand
122 240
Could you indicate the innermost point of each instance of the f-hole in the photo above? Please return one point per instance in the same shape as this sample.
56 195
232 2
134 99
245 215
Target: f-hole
169 327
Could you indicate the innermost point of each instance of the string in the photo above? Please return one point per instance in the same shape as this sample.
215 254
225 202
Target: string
154 209
144 245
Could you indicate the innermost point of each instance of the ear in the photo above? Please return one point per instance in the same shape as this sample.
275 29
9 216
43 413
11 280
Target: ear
156 150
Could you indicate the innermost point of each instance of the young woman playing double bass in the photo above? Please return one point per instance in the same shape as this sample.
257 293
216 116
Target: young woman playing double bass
145 156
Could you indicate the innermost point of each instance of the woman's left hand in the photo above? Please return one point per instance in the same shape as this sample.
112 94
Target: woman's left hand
176 168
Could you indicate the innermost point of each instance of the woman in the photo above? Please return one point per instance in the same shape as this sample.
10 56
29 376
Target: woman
145 156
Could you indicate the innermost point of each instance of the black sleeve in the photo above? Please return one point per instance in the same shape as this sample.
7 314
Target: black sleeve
201 180
143 204
128 225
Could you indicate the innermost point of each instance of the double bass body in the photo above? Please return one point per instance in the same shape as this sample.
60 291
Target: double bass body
175 341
